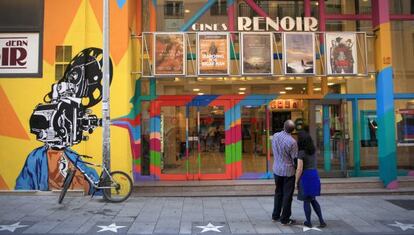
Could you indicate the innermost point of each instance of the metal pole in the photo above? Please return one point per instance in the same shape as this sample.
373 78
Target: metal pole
105 96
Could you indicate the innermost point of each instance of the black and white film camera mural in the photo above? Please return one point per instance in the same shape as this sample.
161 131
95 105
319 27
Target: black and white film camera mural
64 117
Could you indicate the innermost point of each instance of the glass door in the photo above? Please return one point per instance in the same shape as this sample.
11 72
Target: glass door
329 131
193 141
173 140
254 136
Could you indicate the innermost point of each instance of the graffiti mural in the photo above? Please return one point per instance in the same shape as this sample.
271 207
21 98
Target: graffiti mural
62 121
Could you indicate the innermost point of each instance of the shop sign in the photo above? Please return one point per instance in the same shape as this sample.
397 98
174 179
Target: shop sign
19 53
169 54
213 54
257 54
282 104
307 24
341 53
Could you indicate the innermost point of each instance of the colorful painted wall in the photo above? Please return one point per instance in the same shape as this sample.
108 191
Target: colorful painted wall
77 23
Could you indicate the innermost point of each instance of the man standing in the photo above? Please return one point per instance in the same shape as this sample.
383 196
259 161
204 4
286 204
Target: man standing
285 150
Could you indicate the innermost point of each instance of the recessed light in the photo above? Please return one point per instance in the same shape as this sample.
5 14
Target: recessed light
187 11
242 92
288 88
331 83
242 88
200 93
282 92
317 89
196 89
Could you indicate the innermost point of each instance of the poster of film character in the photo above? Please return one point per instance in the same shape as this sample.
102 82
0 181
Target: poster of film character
169 54
341 53
213 54
257 53
299 53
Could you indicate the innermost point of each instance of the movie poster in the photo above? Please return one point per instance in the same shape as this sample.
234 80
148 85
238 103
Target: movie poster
257 53
213 54
341 53
299 53
169 54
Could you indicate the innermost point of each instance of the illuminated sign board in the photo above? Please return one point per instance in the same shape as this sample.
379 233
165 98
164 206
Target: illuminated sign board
307 24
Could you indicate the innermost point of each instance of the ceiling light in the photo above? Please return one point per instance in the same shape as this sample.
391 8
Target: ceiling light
200 93
288 88
196 89
317 89
282 92
242 88
242 92
331 83
187 11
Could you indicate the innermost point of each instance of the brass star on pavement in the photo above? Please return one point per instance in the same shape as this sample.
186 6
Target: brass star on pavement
210 227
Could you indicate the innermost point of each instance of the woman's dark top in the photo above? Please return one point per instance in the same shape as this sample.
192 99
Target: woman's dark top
309 161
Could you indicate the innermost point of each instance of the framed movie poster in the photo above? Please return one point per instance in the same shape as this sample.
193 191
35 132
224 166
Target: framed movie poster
169 54
213 54
257 53
341 53
299 53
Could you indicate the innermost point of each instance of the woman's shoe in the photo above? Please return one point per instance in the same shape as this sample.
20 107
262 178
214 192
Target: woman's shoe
307 224
289 222
322 225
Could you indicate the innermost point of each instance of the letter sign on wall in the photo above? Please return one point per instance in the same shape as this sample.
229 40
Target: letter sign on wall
19 54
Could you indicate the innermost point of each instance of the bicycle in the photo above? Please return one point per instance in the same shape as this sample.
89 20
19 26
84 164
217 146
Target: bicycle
116 186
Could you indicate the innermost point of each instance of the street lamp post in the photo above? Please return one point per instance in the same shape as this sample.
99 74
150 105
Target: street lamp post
105 96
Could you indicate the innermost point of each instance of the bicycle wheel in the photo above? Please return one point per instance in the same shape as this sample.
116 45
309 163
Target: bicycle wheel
66 184
121 187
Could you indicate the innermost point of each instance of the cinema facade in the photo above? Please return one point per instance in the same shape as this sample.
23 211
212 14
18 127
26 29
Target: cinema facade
199 87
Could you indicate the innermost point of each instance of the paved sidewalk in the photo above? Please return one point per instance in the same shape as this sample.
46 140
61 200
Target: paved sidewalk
194 215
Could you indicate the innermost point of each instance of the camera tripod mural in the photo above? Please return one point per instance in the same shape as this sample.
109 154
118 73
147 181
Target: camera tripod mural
62 121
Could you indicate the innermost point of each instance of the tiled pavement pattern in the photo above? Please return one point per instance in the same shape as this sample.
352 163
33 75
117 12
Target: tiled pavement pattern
229 215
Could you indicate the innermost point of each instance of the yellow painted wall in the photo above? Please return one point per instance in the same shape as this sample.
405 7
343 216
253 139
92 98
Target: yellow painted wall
84 30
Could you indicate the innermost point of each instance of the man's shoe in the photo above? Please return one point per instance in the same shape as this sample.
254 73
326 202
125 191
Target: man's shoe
289 222
275 219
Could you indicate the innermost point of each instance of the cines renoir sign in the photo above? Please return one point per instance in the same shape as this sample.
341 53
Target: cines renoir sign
307 24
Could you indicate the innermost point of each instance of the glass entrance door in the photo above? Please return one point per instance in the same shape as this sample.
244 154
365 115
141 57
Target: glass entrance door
328 129
193 141
254 136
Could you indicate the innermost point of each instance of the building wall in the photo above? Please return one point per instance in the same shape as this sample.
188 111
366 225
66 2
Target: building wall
77 23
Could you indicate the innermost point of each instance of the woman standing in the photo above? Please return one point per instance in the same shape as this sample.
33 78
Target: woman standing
307 178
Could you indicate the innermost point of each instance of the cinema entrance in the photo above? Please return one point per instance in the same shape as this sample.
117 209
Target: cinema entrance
193 138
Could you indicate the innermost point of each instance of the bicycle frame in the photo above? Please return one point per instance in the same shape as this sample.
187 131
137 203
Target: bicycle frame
94 184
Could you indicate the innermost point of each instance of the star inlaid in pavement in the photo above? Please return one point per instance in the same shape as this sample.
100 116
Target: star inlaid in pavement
12 227
403 227
210 227
305 228
112 227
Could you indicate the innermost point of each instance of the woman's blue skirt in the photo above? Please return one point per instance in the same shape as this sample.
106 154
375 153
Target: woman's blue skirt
309 185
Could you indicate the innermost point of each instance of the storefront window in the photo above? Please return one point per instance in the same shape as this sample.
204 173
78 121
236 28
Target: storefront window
402 38
368 134
349 25
401 6
404 119
348 6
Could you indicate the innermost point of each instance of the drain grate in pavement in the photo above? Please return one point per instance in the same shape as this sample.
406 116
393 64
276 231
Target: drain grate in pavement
405 204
